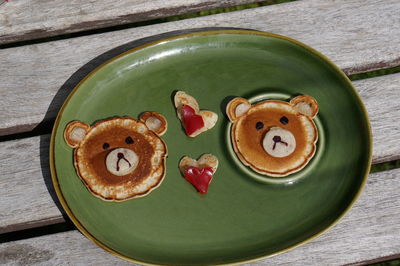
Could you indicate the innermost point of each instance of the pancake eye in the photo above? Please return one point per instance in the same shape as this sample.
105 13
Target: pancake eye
259 125
284 120
106 146
129 140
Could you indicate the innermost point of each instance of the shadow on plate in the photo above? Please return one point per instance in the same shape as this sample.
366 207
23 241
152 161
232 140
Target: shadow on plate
71 83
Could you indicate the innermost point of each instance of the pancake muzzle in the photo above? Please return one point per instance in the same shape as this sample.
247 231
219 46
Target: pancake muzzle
279 142
121 161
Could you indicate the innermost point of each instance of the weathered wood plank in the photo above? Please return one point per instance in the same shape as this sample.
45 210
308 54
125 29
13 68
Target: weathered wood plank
358 35
69 248
27 196
379 96
25 20
26 201
370 230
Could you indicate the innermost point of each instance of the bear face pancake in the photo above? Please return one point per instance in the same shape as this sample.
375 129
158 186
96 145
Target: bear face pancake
274 138
119 158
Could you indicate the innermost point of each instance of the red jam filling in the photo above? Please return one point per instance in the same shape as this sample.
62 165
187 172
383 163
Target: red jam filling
191 121
199 178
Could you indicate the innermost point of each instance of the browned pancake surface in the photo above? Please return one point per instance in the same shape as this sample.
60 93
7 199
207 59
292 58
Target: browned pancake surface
91 155
247 139
94 153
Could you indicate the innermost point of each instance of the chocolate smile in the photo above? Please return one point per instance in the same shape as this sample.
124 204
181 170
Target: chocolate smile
121 156
278 139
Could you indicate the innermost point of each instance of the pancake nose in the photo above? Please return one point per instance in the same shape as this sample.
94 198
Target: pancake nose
279 142
121 161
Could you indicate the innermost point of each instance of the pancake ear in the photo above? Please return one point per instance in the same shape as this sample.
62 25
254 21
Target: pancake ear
237 108
305 105
155 122
75 132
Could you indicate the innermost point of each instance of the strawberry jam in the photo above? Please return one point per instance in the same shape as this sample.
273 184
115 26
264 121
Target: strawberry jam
191 121
200 178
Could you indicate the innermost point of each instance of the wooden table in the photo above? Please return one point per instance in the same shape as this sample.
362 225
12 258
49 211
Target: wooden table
42 43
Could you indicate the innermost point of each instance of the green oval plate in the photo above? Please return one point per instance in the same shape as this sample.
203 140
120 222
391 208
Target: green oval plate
240 218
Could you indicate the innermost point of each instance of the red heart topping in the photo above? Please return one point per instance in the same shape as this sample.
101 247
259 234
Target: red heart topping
191 121
200 178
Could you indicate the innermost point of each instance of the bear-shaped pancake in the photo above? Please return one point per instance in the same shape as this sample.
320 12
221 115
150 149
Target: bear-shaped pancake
119 158
272 137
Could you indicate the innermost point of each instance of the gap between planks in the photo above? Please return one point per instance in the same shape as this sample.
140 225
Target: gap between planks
368 231
37 78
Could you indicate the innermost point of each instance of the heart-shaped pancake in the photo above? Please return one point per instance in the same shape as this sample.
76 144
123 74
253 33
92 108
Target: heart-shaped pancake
194 120
199 172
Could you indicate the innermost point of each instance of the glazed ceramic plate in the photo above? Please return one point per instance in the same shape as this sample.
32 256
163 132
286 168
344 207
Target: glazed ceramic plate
241 218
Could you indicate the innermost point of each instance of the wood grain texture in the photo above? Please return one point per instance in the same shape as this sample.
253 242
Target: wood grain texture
357 35
381 98
370 230
28 186
25 185
25 20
